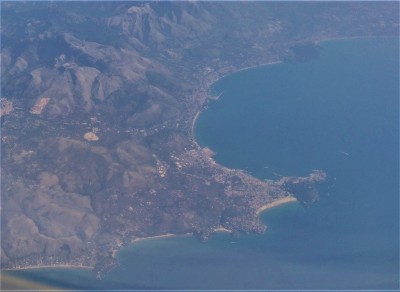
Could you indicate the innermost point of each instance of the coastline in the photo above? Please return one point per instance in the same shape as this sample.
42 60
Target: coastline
194 123
167 235
209 85
275 219
66 266
222 230
194 120
276 203
282 200
345 38
170 235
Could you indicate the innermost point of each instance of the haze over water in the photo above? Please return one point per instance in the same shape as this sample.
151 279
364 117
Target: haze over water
338 113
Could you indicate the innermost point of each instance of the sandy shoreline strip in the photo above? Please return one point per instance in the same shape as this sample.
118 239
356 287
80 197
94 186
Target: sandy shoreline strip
159 237
276 203
194 121
49 266
222 229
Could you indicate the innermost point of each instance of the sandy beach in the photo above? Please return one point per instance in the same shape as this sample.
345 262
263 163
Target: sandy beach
159 237
49 266
276 203
222 229
194 121
155 237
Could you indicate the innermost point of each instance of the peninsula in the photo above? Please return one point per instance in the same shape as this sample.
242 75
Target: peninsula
98 105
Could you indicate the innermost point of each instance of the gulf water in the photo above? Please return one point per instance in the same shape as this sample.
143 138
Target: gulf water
338 113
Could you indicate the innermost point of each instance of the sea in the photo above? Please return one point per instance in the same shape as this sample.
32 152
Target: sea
338 112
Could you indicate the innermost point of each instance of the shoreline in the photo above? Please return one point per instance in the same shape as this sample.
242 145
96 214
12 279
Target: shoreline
209 85
194 120
207 98
315 40
346 38
167 235
194 123
222 230
265 207
276 203
70 266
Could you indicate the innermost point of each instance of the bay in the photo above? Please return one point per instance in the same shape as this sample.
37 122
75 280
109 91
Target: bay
338 113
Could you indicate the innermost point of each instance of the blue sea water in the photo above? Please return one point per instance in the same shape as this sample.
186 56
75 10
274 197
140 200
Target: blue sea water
338 113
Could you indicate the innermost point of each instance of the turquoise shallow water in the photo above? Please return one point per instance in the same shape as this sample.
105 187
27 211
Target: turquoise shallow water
338 113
